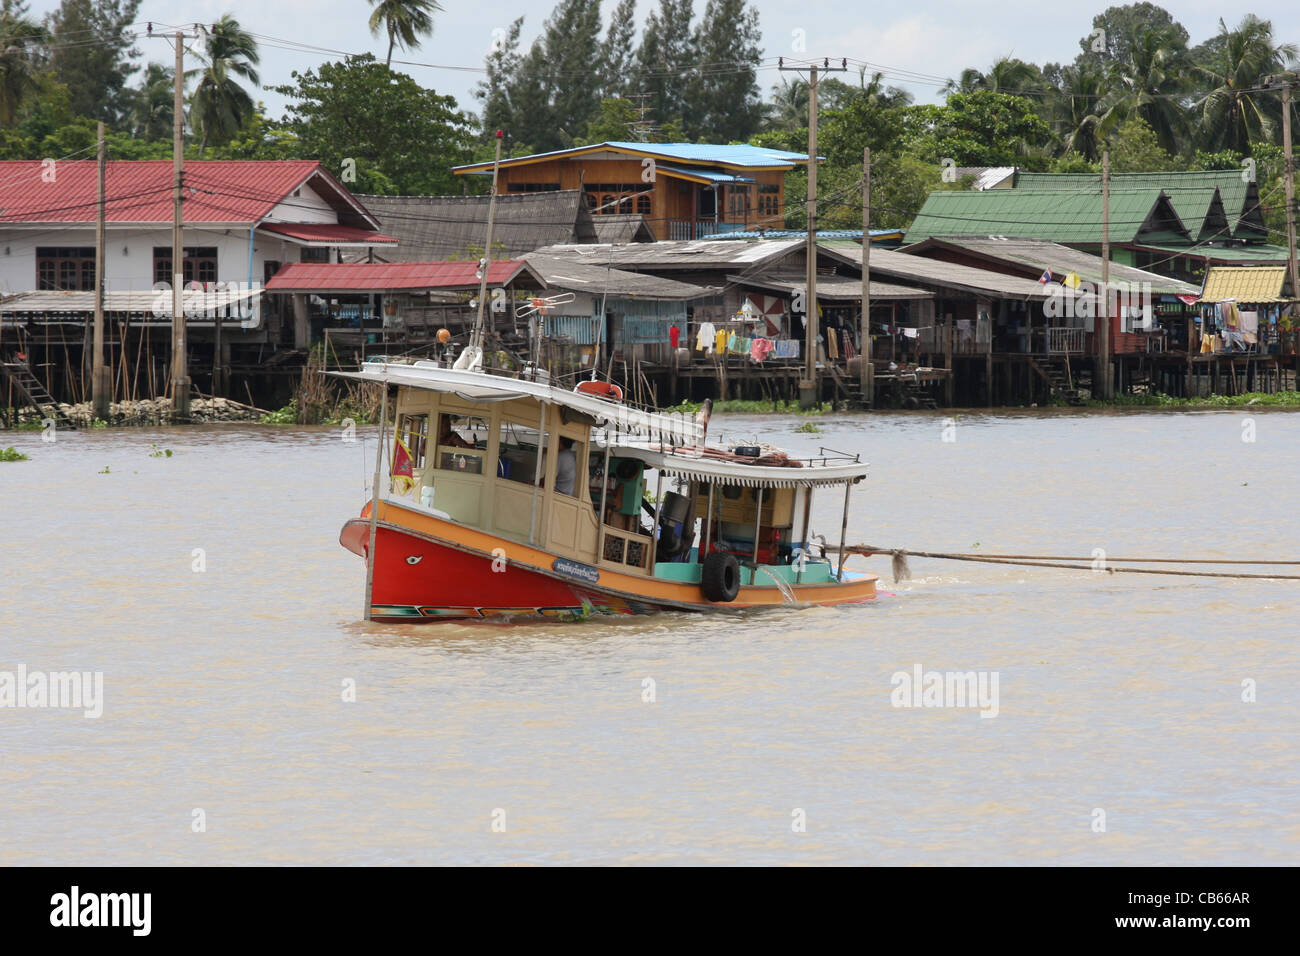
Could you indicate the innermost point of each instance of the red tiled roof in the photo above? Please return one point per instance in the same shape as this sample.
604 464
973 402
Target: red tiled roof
391 276
225 191
327 232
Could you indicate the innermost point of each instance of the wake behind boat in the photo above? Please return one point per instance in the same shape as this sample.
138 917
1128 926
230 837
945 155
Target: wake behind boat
507 496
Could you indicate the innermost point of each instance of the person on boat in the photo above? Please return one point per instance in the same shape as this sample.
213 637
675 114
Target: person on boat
446 436
566 467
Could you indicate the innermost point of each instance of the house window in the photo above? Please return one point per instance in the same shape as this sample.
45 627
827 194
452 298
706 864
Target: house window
533 187
737 201
199 264
64 268
607 199
769 201
315 254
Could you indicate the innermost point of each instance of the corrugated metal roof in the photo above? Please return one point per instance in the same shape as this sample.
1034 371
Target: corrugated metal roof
140 191
986 177
876 234
739 155
391 276
439 227
1068 217
196 303
1240 197
702 175
1253 252
919 270
622 227
330 234
562 272
691 254
839 288
1245 284
1039 255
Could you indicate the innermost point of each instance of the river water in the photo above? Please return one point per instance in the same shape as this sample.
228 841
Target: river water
1120 736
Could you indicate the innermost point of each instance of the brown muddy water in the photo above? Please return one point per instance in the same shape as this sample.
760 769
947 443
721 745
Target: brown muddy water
223 689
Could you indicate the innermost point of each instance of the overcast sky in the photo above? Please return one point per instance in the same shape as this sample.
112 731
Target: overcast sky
930 37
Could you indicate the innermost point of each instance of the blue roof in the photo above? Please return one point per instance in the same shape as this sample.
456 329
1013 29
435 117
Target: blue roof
740 154
705 174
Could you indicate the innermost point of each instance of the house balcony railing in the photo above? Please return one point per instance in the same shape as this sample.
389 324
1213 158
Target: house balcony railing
1066 341
701 228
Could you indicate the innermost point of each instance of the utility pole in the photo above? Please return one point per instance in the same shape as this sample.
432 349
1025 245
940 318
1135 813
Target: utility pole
1291 270
808 387
100 380
480 330
1102 319
866 371
180 370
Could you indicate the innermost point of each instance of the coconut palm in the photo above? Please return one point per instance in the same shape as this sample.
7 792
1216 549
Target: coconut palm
1149 84
1074 110
152 104
220 106
405 21
1235 113
1006 75
18 36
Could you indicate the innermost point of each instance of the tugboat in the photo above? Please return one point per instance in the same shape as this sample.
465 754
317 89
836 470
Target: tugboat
515 497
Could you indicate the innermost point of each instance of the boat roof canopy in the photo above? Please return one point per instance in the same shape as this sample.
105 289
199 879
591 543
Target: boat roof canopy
617 418
682 464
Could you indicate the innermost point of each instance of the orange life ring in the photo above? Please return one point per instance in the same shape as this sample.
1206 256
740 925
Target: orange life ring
600 389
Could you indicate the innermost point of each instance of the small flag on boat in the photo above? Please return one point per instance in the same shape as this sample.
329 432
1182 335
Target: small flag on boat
1046 277
403 468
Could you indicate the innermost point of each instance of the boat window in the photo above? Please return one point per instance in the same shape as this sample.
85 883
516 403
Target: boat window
414 433
462 441
517 459
570 463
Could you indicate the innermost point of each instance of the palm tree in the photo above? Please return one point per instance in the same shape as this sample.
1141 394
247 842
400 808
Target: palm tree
405 21
1150 84
152 104
1006 75
220 106
1234 113
788 108
17 67
1074 110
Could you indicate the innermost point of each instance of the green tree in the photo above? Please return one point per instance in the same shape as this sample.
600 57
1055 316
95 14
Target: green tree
219 105
1006 75
400 136
1147 84
722 96
616 121
496 90
1135 148
1073 109
19 35
1236 63
1117 29
555 92
665 59
91 54
618 52
978 129
153 104
404 21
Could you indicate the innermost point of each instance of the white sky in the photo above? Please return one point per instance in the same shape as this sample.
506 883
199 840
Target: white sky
922 36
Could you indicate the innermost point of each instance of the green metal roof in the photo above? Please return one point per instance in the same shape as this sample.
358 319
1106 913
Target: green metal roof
1070 217
1240 197
1037 256
1255 252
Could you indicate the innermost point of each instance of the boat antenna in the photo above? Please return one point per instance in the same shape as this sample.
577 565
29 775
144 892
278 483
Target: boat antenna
480 331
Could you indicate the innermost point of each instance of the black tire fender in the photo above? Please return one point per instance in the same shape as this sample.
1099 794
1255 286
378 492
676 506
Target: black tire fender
720 577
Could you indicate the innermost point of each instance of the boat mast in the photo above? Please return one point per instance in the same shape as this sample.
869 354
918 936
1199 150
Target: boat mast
480 329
